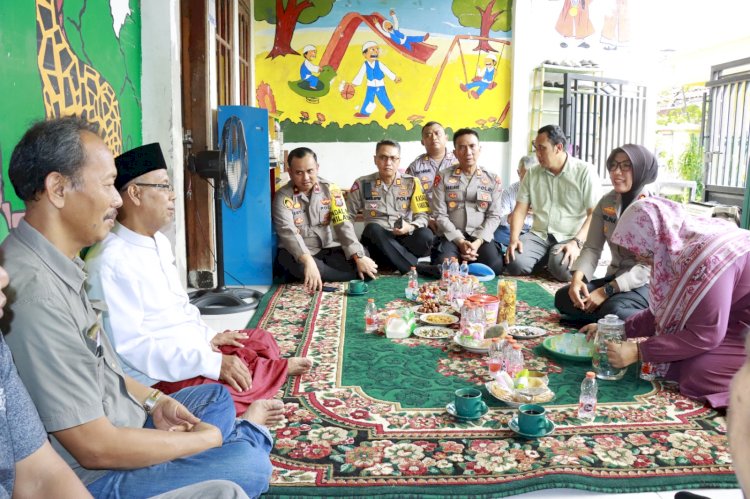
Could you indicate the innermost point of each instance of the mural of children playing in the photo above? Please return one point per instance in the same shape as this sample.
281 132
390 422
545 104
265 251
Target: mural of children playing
308 69
482 81
375 71
390 29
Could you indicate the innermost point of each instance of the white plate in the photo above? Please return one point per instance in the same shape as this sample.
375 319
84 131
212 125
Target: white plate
431 319
468 348
443 309
508 398
525 332
433 332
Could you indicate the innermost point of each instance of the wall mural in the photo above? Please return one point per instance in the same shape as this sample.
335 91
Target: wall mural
356 70
65 57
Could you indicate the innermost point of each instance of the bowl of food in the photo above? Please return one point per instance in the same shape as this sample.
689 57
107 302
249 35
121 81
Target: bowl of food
438 319
569 346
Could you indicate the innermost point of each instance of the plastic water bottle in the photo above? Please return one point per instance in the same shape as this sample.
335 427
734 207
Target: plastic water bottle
507 347
453 269
587 400
495 357
371 316
445 272
514 361
647 371
463 270
412 287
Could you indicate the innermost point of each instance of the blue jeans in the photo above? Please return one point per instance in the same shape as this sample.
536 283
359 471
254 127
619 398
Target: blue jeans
243 458
502 234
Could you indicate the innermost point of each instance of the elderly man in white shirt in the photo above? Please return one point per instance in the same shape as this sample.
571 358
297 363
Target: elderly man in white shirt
154 328
508 202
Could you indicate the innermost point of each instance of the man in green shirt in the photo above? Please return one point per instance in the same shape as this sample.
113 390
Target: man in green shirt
563 192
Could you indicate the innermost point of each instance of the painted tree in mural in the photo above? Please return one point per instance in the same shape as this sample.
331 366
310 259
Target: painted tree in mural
487 15
286 14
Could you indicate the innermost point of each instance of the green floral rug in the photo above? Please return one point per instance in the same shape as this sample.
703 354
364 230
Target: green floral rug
370 419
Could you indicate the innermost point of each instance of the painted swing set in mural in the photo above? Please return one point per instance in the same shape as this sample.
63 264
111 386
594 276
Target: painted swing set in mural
336 49
400 76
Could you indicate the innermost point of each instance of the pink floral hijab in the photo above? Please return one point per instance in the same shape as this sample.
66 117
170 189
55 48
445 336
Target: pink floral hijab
689 254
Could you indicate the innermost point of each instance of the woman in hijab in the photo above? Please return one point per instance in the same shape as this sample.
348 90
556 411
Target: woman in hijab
699 308
624 289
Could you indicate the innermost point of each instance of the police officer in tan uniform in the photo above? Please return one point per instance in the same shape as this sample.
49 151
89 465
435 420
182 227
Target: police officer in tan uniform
395 211
466 205
307 212
436 156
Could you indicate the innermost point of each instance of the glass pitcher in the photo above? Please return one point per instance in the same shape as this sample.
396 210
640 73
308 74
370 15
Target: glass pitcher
610 328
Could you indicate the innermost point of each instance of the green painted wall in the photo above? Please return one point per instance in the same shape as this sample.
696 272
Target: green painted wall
91 37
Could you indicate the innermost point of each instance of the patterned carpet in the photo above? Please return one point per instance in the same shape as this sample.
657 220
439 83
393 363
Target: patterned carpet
370 419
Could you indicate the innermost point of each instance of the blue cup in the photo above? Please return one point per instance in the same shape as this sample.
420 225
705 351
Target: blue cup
468 402
532 419
357 287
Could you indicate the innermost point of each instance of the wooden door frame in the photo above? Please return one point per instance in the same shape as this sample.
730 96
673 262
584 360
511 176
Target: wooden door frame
197 117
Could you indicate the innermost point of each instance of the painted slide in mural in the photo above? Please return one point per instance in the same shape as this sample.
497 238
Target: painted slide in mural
85 62
353 75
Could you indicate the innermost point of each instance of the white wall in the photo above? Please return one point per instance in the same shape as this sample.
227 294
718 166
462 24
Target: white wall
344 162
162 107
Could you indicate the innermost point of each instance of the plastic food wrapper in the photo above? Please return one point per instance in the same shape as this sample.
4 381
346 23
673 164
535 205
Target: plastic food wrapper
400 323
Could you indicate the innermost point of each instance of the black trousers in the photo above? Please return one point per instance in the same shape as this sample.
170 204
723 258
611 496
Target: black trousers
399 252
489 254
331 262
623 305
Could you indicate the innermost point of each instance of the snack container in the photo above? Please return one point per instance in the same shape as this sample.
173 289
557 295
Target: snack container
506 294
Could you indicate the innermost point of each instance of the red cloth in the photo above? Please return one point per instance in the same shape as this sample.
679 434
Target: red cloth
261 355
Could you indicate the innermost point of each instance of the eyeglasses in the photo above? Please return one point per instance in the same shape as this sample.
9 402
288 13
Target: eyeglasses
624 166
167 187
384 158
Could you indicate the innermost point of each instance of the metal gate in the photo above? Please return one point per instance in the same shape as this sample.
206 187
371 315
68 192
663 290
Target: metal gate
599 114
726 135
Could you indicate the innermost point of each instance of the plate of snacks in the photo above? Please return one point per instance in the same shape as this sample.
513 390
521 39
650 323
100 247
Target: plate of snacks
526 332
433 332
471 344
429 291
430 307
528 387
438 319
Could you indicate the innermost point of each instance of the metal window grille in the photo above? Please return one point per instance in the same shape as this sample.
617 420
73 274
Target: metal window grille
599 114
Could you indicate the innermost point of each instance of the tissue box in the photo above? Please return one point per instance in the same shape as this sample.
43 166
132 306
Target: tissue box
400 324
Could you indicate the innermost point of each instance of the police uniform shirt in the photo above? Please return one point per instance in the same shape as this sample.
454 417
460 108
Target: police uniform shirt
383 204
466 204
425 168
304 225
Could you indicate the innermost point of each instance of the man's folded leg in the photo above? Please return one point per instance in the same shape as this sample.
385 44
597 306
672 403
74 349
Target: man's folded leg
242 459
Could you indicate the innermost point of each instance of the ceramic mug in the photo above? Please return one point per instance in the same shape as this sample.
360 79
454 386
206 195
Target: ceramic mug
357 286
532 419
468 402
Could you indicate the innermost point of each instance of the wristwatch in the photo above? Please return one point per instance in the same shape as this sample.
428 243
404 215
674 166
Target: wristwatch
151 400
609 290
578 242
359 254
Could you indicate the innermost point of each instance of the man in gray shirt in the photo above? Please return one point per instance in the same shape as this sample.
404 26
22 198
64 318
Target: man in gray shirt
119 436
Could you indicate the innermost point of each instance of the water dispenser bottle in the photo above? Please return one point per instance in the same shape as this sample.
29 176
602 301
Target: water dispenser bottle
610 328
